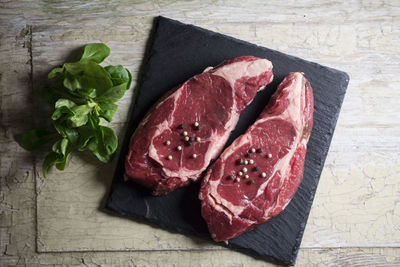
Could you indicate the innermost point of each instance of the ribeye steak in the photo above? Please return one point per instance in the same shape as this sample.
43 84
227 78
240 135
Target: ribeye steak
258 174
190 125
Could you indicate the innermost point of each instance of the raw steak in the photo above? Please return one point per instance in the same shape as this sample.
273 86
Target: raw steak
190 125
256 177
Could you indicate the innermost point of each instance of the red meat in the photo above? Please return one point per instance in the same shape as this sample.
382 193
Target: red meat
237 196
159 157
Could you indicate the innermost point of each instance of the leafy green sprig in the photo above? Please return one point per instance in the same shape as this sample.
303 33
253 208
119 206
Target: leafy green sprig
83 93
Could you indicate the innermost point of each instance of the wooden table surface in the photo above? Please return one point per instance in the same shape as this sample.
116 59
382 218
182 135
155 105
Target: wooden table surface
355 218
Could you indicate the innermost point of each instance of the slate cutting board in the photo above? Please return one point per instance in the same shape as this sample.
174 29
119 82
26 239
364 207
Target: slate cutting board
180 51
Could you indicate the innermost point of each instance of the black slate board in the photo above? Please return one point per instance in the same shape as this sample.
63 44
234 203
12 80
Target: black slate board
180 51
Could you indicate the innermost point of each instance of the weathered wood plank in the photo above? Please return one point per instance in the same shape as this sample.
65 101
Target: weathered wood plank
339 46
357 202
359 257
17 198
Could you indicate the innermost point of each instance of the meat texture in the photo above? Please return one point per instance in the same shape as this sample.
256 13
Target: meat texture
190 125
256 177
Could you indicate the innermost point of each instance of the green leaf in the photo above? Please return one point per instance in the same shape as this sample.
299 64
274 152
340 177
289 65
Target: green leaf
76 69
61 150
109 140
64 145
94 148
35 139
51 95
119 75
86 75
95 52
113 94
61 125
62 102
130 80
56 73
103 158
94 121
65 131
51 159
60 165
71 82
86 133
60 146
72 134
82 92
80 114
63 107
105 142
56 147
107 109
59 112
91 92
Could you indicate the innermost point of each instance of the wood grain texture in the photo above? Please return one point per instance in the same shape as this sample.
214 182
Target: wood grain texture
357 206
